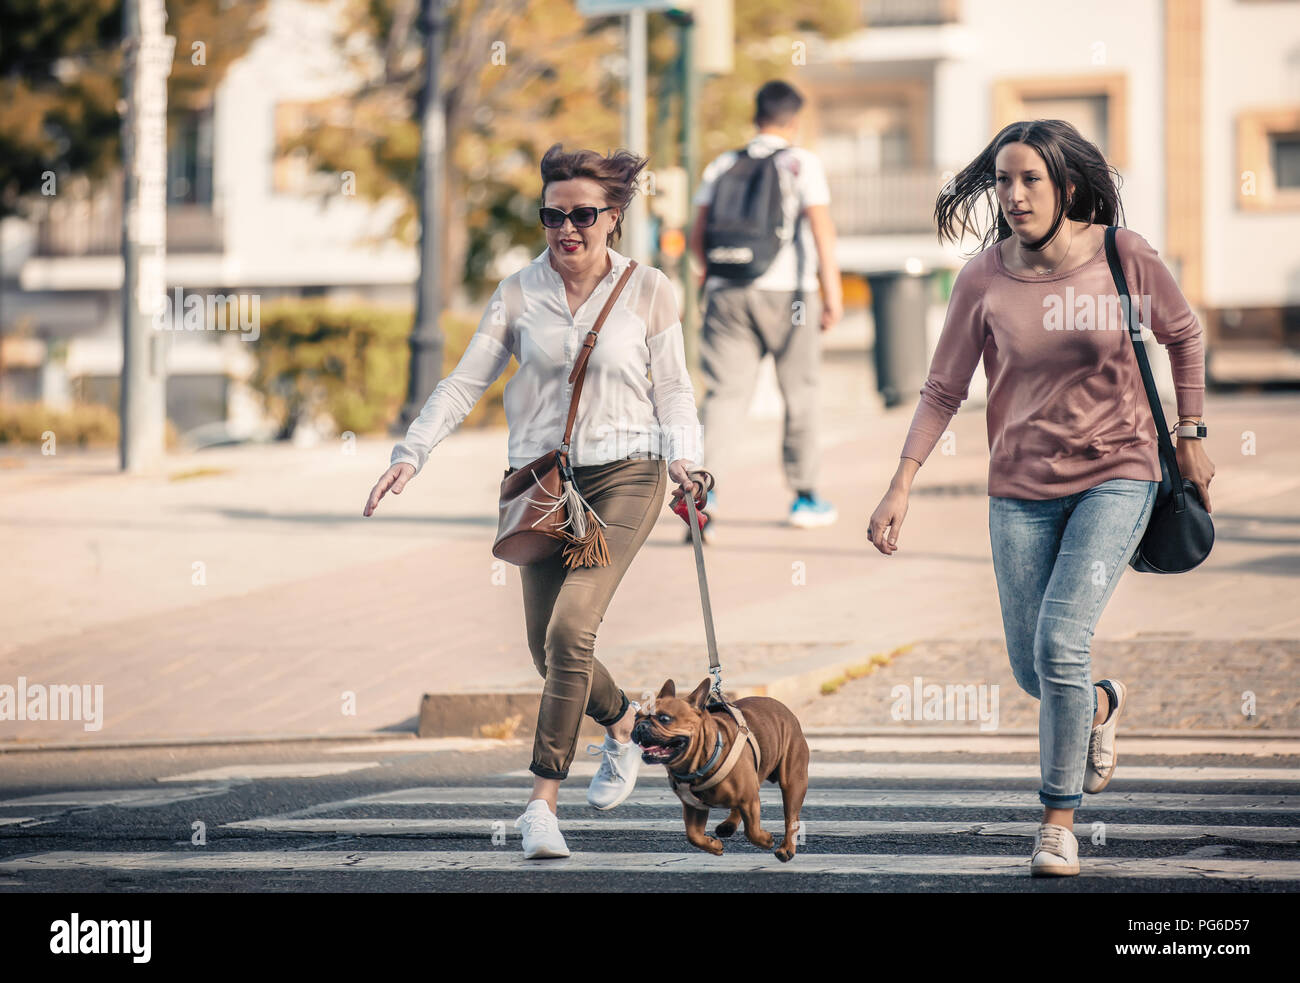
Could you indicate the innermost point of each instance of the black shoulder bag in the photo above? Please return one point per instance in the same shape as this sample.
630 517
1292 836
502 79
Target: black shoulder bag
1180 533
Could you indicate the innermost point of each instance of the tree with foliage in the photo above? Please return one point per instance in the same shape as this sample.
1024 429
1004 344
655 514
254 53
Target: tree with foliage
517 76
61 82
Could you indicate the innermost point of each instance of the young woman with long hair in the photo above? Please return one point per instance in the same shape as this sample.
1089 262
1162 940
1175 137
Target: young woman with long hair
1073 460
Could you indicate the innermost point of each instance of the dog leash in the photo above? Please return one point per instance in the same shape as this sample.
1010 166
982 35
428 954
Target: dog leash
715 666
716 698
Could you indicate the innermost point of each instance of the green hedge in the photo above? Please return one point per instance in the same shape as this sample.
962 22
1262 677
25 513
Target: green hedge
81 425
352 362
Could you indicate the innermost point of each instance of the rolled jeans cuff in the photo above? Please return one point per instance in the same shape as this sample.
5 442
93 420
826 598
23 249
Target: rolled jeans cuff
1060 801
541 771
618 716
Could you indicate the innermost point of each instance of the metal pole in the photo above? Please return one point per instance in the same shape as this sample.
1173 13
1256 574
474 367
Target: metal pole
426 336
635 224
690 152
143 408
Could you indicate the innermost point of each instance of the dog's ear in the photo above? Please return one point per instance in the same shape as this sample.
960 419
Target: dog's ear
700 696
669 689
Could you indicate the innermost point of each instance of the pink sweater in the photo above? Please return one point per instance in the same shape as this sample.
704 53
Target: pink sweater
1066 407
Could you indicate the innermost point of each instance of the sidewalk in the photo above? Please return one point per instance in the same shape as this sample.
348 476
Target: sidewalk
256 600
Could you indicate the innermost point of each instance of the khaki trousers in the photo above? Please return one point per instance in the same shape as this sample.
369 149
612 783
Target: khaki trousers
564 607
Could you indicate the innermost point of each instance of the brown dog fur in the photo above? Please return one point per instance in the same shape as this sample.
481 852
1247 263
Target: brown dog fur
780 740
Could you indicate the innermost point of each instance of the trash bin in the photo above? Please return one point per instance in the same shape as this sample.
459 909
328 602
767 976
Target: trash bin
898 304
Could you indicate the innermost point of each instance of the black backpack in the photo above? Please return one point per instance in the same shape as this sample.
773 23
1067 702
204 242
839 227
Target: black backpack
746 224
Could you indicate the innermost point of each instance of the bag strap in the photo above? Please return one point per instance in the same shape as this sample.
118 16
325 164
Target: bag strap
579 373
1148 381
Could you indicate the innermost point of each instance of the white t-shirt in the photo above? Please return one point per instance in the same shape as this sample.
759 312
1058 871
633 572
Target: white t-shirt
637 396
803 182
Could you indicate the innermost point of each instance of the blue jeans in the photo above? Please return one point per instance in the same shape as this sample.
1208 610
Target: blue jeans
1057 562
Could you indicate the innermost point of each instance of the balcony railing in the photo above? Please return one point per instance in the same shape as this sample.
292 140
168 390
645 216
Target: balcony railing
92 226
909 13
884 202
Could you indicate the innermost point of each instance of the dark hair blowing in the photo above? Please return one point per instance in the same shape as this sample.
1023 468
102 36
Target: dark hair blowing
1070 159
776 102
616 173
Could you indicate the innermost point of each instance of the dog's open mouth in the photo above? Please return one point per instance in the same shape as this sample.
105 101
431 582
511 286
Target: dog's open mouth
656 754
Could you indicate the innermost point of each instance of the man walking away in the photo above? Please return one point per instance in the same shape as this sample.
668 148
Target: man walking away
763 234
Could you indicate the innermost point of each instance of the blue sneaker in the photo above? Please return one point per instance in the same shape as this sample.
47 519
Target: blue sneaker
808 512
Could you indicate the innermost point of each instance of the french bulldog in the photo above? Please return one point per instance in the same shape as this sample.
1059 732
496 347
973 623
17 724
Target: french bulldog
682 734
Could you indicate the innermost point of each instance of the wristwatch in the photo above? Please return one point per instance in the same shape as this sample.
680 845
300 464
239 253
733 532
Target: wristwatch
1191 428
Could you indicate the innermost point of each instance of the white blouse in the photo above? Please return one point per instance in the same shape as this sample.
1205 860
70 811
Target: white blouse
637 397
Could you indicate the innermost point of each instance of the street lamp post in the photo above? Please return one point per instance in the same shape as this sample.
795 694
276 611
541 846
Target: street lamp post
427 341
142 414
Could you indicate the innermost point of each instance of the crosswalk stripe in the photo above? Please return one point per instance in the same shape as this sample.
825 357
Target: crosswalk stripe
742 861
828 798
425 744
971 771
977 743
127 798
305 769
485 826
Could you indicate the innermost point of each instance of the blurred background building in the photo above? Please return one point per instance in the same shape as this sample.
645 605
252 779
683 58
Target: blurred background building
1196 102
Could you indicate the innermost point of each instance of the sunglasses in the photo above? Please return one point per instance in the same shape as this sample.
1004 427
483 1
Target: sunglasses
582 217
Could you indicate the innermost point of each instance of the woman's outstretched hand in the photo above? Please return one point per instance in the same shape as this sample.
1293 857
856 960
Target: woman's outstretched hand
888 518
394 478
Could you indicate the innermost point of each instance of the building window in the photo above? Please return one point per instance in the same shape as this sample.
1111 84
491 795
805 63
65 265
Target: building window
1286 159
873 138
1268 159
1096 105
1087 113
189 160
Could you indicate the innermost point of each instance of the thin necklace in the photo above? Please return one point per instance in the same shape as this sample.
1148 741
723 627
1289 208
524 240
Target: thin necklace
1058 262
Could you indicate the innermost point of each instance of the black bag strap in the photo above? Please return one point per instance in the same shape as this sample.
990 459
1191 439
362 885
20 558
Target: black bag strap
1148 381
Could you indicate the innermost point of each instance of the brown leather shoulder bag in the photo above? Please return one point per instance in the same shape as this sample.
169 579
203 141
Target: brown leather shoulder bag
541 509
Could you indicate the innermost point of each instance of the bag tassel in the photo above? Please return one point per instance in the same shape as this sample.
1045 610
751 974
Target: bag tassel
589 551
584 540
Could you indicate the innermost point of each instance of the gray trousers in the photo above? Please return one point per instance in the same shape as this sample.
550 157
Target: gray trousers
741 325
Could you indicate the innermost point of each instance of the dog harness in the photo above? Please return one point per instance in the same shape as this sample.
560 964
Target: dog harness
685 786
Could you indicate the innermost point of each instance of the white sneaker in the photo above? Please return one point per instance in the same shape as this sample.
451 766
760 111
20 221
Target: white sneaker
616 777
1056 852
1101 746
541 831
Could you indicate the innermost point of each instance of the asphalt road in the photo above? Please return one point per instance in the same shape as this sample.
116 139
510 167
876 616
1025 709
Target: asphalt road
408 816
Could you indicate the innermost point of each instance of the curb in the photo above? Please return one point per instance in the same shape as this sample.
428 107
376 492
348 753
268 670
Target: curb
500 714
503 714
